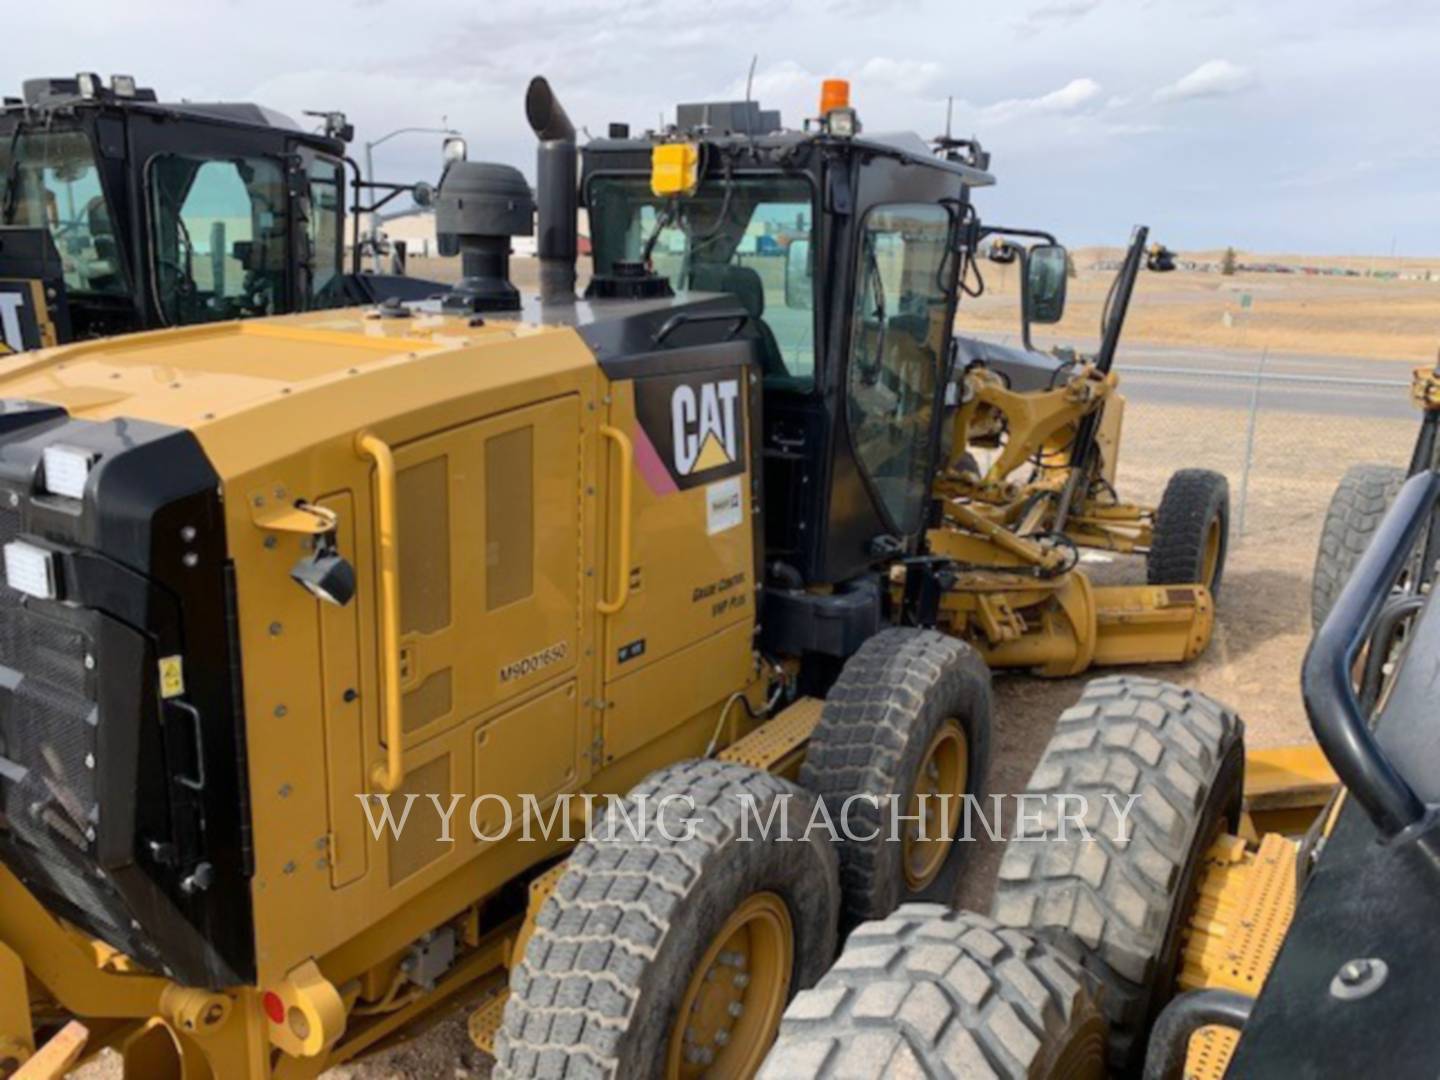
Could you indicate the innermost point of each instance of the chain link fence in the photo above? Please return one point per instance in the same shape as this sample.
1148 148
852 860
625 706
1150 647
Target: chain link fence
1283 440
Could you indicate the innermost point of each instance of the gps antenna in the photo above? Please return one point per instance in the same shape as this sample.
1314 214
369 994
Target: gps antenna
749 86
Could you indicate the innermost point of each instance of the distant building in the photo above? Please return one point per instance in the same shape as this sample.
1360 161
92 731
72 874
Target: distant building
417 230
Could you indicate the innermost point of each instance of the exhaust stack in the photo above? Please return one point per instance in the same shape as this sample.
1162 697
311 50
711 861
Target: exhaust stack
555 192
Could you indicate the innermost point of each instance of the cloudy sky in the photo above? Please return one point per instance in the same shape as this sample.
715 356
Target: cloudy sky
1282 125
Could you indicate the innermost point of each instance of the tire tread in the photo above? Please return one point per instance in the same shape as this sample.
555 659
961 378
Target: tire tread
1361 499
1112 903
931 991
1177 547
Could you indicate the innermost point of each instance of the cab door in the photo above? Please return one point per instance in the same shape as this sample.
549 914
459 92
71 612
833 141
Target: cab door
216 212
895 368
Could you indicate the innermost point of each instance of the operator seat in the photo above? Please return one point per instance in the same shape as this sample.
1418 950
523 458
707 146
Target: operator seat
746 286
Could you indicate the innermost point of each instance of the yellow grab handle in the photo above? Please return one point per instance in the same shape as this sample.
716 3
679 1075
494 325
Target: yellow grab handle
391 774
627 460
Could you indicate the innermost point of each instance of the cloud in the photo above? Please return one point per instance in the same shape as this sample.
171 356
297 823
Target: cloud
918 78
1212 79
1072 97
1059 12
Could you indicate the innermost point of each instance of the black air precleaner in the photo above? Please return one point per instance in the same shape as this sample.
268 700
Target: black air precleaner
479 208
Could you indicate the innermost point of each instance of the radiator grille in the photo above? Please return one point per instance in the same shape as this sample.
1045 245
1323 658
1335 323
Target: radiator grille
9 521
44 650
48 726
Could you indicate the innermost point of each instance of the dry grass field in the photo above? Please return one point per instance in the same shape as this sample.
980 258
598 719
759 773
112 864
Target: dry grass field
1297 313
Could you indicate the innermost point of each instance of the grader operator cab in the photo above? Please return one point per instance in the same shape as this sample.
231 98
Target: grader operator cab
120 213
872 406
322 634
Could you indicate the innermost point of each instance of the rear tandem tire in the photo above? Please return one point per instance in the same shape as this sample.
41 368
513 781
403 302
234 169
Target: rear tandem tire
1120 907
904 701
1192 531
935 992
1361 499
637 931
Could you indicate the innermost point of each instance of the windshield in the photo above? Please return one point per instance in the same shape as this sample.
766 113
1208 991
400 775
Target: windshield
750 237
49 179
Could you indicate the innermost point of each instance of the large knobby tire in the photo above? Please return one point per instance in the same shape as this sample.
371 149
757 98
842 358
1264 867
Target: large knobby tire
909 715
1119 906
640 932
1191 535
935 992
1363 496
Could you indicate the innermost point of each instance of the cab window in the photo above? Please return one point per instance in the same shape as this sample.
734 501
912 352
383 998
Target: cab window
219 237
897 339
49 180
323 227
739 237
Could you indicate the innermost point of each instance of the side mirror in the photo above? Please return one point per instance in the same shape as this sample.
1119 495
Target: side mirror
799 276
1046 269
423 194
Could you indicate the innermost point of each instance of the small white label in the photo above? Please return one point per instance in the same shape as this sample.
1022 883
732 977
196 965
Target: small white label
723 508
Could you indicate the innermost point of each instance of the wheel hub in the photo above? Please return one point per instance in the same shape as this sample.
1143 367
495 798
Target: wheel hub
944 771
731 1009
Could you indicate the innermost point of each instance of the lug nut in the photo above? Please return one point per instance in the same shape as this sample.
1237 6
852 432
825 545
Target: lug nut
1356 972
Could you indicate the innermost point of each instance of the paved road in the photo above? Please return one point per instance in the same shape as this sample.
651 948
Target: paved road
1225 378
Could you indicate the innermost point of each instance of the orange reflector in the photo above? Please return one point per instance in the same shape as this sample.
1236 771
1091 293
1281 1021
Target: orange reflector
834 94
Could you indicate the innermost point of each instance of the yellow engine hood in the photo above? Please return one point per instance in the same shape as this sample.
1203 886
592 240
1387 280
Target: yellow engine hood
253 389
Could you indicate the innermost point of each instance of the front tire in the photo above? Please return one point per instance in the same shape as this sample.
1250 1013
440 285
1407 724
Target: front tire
1191 535
1120 906
1361 499
909 717
675 958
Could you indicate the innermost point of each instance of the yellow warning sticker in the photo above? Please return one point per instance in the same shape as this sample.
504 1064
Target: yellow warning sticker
172 677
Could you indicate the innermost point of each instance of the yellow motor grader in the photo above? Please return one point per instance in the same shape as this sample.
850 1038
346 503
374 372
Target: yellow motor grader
324 638
1011 534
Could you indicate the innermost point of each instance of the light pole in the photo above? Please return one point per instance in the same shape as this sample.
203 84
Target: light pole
370 178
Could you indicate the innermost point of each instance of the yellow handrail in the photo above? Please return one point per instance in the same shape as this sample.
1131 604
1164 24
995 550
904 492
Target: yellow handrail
389 775
627 458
